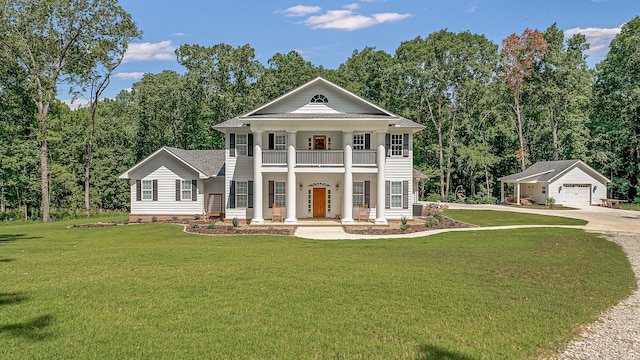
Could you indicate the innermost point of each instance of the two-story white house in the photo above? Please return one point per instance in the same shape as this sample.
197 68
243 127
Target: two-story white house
318 151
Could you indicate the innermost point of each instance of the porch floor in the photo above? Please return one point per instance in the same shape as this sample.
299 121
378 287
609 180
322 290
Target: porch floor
318 222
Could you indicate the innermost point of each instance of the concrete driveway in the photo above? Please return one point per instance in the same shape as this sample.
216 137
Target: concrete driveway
599 218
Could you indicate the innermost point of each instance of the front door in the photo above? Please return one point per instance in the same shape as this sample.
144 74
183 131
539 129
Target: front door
319 202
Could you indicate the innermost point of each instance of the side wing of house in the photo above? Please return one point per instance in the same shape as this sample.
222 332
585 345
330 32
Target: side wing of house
163 186
579 186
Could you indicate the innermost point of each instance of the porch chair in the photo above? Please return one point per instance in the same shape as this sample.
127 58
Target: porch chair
276 213
363 212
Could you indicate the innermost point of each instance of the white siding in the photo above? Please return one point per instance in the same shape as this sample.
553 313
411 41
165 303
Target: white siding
337 101
400 169
238 168
166 169
578 176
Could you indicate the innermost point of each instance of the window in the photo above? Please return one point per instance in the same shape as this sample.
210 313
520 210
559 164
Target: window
280 141
241 194
396 144
147 189
319 99
280 191
358 193
358 142
185 189
241 144
396 194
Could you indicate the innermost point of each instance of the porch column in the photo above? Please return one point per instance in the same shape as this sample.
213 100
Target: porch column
517 186
380 195
501 192
257 178
347 193
291 179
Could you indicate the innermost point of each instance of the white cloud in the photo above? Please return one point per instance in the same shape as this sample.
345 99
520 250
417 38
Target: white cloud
75 104
301 10
471 8
353 6
163 50
130 75
598 38
178 34
347 20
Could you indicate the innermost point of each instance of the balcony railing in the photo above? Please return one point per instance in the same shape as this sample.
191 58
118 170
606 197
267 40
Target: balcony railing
274 157
319 157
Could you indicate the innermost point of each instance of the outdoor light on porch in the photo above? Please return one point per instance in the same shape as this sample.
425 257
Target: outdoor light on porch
300 186
337 187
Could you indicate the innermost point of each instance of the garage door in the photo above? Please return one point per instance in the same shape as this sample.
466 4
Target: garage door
576 194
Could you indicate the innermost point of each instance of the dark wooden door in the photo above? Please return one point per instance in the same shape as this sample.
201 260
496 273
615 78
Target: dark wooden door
319 202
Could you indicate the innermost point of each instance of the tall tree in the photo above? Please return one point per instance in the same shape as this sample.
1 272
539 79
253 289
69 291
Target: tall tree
285 73
616 115
519 53
368 74
50 41
107 54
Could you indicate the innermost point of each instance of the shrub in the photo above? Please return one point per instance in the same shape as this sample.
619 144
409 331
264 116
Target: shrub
139 220
174 218
154 219
433 197
550 202
196 217
431 223
234 222
211 226
437 215
195 226
403 223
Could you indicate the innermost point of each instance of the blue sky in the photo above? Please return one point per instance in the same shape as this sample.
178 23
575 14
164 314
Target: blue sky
327 32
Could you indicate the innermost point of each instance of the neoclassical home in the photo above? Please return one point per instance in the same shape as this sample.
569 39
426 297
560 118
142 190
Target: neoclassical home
318 151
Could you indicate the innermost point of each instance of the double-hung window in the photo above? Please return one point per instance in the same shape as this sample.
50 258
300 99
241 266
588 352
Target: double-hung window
358 193
396 144
147 189
280 193
241 144
241 194
396 194
185 190
280 141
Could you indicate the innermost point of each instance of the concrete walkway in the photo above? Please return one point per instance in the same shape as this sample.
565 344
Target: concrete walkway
600 219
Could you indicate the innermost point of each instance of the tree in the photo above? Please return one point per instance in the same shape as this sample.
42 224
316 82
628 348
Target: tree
519 53
368 74
49 41
285 73
615 121
108 55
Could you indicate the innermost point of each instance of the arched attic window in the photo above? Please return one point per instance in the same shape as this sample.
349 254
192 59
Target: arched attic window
319 99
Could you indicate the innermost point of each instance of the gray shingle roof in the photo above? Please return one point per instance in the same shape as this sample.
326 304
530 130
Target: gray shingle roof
418 175
208 162
231 123
541 171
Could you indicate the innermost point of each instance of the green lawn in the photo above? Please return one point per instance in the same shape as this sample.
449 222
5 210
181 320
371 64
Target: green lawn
503 218
151 291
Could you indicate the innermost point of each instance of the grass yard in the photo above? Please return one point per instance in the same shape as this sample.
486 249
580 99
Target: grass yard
151 291
503 218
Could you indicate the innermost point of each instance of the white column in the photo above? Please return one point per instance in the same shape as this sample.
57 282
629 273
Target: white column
517 186
381 159
347 192
501 192
257 178
291 179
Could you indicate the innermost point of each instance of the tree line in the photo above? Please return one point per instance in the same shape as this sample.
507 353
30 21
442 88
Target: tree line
489 110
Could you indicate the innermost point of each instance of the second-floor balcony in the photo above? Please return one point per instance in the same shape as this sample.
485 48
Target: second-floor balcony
319 157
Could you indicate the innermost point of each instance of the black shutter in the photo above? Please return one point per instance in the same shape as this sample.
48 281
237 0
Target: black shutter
271 193
367 193
387 144
155 190
138 190
232 195
271 141
387 194
178 190
250 194
405 145
194 190
250 145
232 145
405 194
367 141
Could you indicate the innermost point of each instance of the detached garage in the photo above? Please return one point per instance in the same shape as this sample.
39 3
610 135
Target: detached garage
568 182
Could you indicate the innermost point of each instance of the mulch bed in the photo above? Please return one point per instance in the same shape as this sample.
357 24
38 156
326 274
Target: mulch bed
414 225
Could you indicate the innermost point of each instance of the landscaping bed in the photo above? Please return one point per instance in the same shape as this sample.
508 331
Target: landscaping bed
413 225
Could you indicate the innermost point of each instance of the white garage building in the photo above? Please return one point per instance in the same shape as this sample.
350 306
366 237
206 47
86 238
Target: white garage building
568 182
